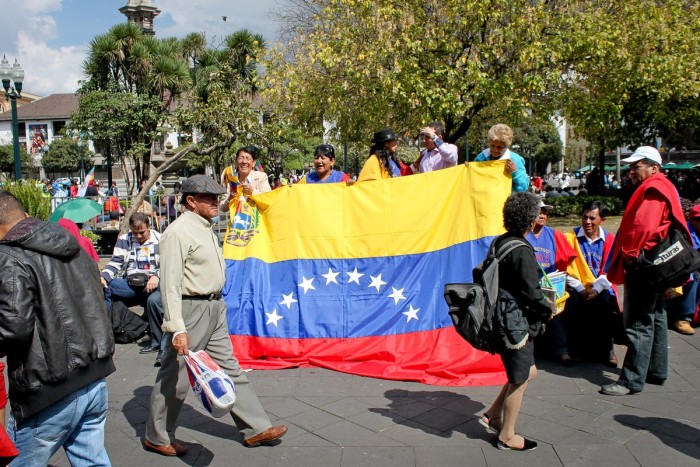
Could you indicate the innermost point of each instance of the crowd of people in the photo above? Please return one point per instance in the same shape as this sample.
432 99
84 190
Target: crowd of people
178 276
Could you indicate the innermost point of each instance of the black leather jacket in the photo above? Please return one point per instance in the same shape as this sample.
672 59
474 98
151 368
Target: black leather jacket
53 323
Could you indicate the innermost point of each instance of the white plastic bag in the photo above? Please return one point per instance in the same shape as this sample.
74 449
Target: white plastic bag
212 387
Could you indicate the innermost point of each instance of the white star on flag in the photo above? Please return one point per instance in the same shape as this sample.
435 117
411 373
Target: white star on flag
354 276
331 276
288 300
307 284
397 295
273 317
377 282
412 313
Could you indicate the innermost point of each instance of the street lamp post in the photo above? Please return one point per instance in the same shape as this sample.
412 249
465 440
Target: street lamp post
14 74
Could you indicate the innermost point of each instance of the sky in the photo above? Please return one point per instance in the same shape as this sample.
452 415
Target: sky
50 38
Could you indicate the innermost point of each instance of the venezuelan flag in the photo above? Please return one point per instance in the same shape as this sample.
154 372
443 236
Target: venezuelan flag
351 278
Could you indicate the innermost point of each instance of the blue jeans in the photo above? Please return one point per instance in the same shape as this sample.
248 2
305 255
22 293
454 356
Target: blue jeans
120 290
585 328
647 330
154 311
76 423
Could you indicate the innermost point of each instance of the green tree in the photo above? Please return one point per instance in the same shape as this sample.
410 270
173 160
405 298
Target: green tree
232 68
638 79
7 159
123 123
66 155
540 141
368 64
147 72
285 146
622 72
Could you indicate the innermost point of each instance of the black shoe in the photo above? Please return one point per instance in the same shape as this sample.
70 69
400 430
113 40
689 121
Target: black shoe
159 360
149 350
529 445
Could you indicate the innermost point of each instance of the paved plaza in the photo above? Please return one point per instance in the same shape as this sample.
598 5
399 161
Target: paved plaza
337 419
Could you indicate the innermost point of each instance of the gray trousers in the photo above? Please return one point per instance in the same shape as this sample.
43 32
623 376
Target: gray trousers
206 327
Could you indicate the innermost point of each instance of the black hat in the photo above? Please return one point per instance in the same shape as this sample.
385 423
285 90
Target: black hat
201 184
382 136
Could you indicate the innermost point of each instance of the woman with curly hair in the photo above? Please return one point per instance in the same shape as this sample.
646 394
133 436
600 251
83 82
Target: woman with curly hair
518 275
382 162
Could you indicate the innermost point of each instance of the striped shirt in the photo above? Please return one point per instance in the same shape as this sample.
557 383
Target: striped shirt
131 256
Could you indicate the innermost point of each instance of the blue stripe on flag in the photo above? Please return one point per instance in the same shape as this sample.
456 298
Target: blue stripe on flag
339 298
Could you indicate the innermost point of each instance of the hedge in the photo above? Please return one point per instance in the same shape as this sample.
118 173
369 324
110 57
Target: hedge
572 205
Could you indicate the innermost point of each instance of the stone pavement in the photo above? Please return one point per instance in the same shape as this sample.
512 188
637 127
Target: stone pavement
343 420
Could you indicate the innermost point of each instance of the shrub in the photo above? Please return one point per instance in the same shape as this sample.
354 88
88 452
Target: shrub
32 198
572 205
94 238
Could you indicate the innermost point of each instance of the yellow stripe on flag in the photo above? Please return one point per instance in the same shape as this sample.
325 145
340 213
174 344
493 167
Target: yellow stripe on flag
399 216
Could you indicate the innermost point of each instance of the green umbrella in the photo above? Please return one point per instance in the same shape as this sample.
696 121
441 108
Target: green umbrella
77 209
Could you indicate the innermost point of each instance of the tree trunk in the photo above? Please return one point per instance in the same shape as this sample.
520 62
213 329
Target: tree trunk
164 168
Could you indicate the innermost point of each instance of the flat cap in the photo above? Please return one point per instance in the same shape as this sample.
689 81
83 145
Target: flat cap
202 184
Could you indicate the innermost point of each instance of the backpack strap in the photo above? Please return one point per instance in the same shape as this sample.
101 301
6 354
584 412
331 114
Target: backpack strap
506 248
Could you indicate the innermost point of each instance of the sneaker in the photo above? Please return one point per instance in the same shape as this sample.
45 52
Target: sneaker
615 389
683 327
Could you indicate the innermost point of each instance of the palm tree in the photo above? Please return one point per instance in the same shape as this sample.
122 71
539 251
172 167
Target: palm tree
125 60
193 46
243 49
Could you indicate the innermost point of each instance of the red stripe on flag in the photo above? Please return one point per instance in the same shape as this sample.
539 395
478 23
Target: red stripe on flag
439 357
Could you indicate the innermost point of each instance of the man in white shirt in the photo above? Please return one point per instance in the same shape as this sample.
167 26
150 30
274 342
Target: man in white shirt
437 153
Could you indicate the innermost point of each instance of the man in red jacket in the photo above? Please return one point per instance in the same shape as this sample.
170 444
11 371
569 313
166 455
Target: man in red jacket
653 209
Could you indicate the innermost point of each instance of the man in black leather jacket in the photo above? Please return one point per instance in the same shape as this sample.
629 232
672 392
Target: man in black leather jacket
57 338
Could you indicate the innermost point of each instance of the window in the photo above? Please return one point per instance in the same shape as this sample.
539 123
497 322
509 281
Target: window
58 126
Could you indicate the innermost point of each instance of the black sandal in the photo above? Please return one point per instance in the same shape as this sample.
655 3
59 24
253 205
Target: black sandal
528 445
487 422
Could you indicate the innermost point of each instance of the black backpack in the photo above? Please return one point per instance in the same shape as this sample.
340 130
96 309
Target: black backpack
472 307
127 326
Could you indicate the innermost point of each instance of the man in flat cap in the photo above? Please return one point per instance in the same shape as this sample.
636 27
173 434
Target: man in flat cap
192 275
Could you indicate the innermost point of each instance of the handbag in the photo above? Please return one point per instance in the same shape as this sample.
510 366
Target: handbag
211 386
137 279
668 264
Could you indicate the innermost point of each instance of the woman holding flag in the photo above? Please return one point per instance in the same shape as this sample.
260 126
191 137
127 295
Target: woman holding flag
382 162
244 180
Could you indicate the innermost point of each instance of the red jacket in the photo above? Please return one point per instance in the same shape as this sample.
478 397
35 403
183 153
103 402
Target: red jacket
652 210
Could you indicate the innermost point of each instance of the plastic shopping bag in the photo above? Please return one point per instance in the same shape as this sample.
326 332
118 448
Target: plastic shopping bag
212 387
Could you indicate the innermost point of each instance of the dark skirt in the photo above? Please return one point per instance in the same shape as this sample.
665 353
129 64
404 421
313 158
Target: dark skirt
518 363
